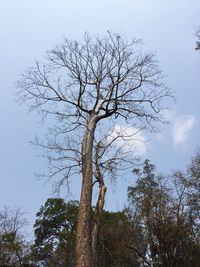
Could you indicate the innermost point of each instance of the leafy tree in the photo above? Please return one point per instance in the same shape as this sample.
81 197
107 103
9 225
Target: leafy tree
118 237
55 233
162 206
191 181
82 85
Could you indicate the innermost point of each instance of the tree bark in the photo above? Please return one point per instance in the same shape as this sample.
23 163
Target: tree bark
83 239
97 221
99 205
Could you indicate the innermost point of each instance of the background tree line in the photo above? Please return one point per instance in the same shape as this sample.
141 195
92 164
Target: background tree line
159 227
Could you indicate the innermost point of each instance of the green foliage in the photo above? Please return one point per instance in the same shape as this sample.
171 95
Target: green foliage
55 237
116 236
55 233
165 207
159 228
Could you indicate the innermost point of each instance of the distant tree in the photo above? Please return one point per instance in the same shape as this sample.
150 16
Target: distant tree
191 180
162 207
13 247
55 233
82 85
119 237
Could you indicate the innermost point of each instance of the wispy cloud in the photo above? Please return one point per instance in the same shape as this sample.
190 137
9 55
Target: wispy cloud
181 128
130 139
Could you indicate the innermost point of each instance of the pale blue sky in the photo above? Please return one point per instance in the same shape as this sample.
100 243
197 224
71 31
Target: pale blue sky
28 28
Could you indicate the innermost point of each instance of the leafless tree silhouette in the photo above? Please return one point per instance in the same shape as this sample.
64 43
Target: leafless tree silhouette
87 86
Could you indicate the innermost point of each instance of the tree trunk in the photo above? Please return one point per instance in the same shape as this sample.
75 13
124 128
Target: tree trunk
83 239
97 221
99 205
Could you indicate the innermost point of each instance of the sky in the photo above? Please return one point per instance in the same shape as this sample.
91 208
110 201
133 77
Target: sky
29 28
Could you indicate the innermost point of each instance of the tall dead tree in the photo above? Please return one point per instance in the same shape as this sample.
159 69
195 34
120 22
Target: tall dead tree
83 84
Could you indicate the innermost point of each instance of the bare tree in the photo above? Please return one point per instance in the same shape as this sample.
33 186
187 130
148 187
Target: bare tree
83 84
11 220
11 239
